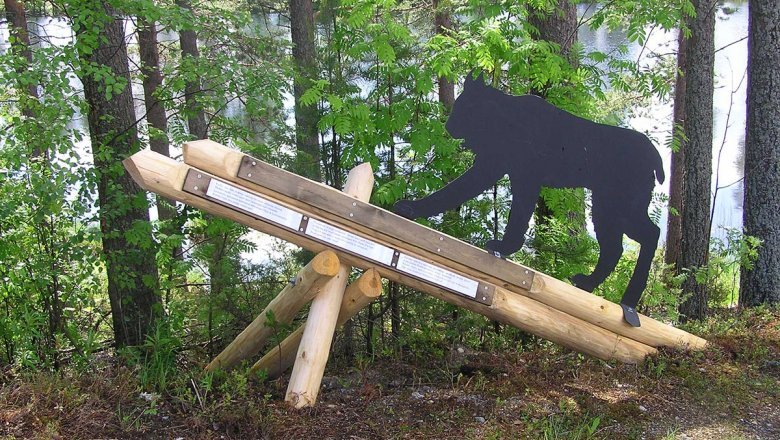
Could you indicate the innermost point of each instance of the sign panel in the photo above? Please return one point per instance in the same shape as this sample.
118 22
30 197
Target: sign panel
267 210
437 275
254 204
349 241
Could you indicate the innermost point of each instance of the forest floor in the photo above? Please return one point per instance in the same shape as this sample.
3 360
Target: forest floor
730 391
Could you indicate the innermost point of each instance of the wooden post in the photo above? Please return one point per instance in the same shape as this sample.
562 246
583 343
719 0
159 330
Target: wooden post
318 332
166 177
309 281
359 294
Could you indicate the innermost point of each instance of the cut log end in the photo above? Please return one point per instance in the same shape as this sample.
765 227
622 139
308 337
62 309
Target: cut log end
369 284
326 263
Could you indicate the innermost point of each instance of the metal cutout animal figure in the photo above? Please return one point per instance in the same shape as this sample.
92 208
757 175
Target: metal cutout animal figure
537 144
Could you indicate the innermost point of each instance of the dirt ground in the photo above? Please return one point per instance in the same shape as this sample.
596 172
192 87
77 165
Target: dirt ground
730 391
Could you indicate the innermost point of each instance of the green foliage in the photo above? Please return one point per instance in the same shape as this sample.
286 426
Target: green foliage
727 257
157 358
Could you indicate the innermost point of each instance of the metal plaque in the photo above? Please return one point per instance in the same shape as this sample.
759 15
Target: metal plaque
229 195
349 241
254 204
437 275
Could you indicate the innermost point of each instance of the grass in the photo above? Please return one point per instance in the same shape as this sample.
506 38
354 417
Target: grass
729 391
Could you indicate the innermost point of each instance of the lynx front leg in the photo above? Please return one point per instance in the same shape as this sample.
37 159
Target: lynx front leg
523 203
483 174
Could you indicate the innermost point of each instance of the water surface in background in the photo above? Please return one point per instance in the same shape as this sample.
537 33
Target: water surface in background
729 102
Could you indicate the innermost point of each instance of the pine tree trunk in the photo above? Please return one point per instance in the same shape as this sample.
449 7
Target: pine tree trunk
17 27
761 285
695 221
560 27
306 117
130 264
196 117
39 162
442 24
155 111
673 230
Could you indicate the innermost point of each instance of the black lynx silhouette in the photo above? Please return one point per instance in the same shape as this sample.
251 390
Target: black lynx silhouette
537 144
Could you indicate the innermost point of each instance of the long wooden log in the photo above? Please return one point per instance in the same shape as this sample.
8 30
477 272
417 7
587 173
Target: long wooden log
358 295
314 348
400 232
311 280
166 177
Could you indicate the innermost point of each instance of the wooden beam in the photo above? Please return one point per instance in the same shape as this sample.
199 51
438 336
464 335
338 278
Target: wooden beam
400 232
318 332
359 294
165 176
307 284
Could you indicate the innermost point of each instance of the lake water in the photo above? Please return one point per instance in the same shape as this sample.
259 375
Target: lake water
729 109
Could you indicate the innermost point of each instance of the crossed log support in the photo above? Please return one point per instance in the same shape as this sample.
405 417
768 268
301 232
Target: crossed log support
228 183
323 282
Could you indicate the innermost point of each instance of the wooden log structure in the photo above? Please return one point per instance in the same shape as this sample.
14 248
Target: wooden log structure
310 281
358 295
506 291
314 348
397 231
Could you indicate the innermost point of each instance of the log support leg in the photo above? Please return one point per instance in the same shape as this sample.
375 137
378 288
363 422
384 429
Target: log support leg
318 332
358 295
313 278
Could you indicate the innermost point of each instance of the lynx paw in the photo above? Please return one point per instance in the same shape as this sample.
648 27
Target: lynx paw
497 248
583 282
630 315
405 208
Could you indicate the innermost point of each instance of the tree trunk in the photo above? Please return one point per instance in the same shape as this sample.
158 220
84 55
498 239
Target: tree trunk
761 285
196 117
130 264
673 231
39 155
155 111
560 28
442 24
20 46
306 117
695 221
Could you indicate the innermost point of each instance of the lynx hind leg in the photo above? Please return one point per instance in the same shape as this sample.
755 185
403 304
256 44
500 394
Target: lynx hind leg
646 233
610 238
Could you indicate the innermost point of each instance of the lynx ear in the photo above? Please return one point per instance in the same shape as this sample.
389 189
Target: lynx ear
472 80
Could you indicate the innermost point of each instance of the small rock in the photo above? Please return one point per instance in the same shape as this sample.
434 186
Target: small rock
642 408
395 383
148 396
416 395
479 419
